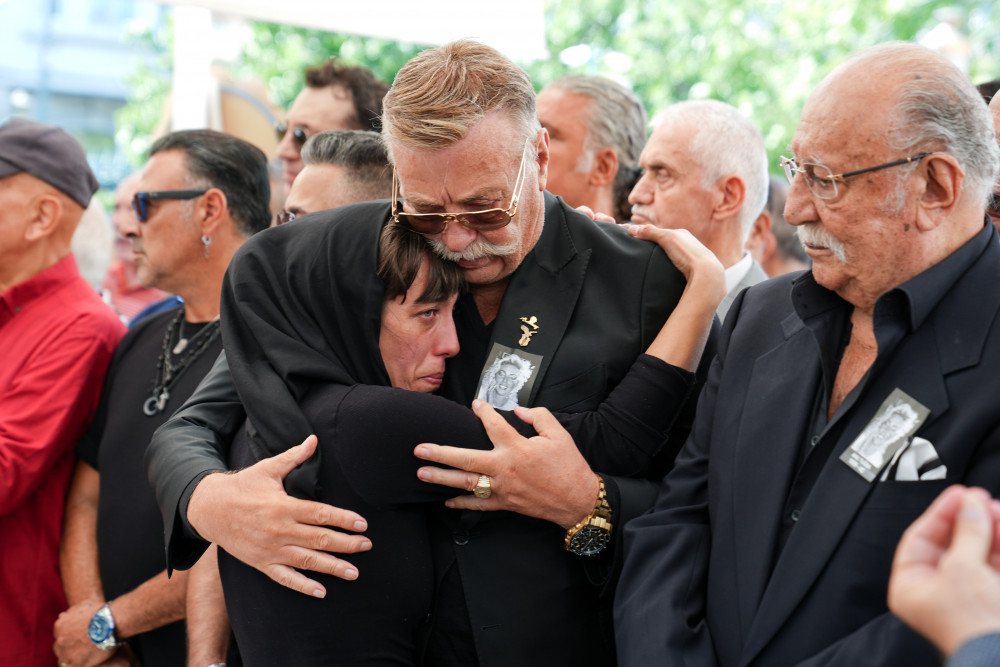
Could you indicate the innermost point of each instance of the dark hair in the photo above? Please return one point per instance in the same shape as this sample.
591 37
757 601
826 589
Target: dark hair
400 253
366 91
361 153
222 161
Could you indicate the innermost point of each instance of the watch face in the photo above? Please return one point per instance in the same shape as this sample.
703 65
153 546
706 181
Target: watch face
99 629
589 540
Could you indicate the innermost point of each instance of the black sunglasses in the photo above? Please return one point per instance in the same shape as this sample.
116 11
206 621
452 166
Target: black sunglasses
140 202
299 135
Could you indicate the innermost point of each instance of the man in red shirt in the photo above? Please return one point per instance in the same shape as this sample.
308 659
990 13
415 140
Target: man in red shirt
56 339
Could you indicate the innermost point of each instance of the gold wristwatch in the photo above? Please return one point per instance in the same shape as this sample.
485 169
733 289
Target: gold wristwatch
591 535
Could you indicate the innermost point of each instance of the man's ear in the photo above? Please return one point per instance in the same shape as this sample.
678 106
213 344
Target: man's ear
46 214
542 149
941 185
732 193
212 211
604 167
760 235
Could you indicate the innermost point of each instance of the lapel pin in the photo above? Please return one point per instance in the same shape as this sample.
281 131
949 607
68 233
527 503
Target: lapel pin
528 333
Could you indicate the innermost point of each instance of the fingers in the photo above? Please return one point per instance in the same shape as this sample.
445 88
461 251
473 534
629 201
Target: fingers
469 460
282 464
456 479
289 577
500 433
320 514
973 528
927 537
544 423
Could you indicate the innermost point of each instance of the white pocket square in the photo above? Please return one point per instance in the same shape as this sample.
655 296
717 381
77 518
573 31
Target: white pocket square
918 461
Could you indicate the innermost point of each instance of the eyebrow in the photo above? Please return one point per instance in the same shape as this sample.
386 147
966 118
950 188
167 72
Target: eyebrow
483 195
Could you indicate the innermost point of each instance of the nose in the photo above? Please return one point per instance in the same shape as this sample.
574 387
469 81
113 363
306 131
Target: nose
287 149
641 193
128 224
447 341
799 206
457 236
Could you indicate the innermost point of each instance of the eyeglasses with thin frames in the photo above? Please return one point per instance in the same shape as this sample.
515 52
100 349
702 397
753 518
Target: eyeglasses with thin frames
482 221
140 201
822 182
299 135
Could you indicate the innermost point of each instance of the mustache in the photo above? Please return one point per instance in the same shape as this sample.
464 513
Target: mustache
645 211
475 250
812 233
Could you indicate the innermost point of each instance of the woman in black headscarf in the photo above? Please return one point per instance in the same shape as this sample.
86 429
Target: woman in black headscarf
301 369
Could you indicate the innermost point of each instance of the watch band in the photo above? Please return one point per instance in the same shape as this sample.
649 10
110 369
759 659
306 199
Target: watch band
101 629
592 534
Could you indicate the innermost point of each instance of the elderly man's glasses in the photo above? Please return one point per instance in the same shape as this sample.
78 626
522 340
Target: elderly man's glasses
482 221
299 135
140 202
823 183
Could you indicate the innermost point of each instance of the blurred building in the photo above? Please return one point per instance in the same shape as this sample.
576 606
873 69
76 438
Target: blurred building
65 62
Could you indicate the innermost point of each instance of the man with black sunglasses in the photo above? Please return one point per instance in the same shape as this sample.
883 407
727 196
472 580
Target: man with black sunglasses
201 195
336 97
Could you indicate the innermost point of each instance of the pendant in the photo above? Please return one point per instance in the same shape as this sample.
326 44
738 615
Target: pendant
154 405
181 346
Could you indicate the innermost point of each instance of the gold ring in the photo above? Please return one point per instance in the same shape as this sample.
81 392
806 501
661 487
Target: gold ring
482 488
63 663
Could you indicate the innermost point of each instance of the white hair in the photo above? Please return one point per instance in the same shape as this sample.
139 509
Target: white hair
725 143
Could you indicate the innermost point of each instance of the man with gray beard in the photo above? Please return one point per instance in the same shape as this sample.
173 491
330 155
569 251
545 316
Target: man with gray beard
842 400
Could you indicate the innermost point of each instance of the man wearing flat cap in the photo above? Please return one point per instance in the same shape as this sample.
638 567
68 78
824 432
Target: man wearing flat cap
56 339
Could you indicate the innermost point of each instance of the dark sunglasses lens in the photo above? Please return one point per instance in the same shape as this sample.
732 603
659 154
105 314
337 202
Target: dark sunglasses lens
423 224
139 206
486 220
299 137
280 130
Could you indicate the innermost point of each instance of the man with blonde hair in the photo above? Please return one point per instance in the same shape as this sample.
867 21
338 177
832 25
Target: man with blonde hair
471 165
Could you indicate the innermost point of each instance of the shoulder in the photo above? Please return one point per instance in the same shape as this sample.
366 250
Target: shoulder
603 237
152 326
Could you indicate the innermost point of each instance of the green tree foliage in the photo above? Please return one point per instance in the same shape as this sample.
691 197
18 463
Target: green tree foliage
279 54
762 56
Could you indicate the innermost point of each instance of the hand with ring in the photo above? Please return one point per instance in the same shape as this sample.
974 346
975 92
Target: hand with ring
482 488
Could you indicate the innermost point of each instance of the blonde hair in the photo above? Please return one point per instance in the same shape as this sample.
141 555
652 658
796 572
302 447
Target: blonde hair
443 92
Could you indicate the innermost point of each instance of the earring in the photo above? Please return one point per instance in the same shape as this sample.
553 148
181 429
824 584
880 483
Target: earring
206 241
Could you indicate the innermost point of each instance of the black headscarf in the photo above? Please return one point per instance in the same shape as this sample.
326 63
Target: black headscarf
301 305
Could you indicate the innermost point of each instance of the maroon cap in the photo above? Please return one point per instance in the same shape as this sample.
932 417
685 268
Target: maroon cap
49 154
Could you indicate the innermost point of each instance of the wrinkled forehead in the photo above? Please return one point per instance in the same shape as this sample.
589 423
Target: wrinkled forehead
484 163
844 118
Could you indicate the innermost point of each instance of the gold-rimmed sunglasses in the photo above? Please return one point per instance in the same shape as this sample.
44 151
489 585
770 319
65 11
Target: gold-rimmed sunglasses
482 221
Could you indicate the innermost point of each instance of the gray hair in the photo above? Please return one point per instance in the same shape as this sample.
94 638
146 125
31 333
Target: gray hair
725 143
361 153
938 109
442 93
616 119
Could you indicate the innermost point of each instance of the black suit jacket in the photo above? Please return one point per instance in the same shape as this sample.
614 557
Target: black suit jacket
600 297
698 586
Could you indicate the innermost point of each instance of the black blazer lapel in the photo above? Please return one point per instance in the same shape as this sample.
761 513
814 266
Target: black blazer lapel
546 286
760 468
839 492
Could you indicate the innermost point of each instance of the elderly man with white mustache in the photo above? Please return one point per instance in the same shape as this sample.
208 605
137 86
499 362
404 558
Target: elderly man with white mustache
772 540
